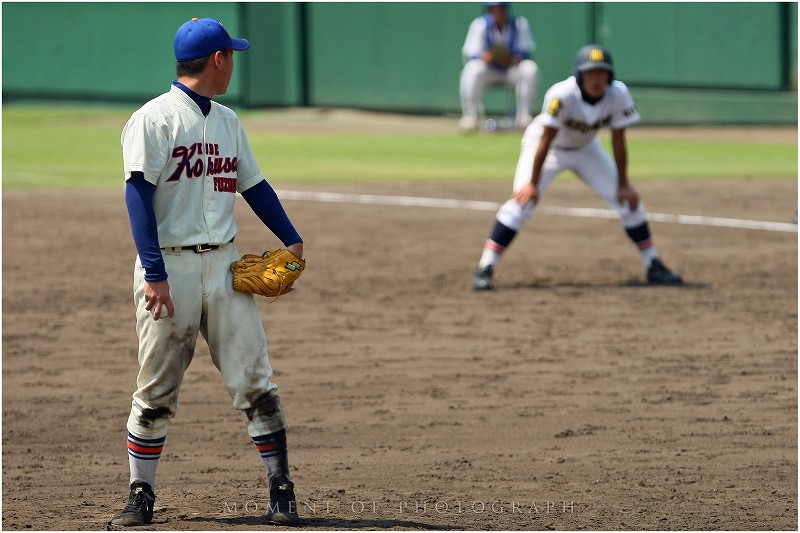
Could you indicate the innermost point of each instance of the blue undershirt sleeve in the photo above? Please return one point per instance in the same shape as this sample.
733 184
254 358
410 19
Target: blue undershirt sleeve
139 199
266 205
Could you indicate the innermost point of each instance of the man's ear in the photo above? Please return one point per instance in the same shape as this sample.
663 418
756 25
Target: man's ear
219 58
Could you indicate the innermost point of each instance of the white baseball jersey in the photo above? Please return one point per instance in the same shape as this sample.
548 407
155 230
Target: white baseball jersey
575 147
578 121
197 163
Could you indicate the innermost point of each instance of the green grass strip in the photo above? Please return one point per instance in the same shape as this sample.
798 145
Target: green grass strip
79 146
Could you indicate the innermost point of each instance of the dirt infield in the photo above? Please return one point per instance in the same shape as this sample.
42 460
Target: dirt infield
573 397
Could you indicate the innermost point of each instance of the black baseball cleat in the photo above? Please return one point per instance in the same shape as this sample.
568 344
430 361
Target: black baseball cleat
139 511
482 278
658 274
282 503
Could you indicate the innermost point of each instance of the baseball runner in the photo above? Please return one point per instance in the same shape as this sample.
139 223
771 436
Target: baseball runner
564 137
498 51
185 158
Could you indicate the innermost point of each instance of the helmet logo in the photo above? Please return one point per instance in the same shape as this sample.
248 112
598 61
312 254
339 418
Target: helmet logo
596 55
554 107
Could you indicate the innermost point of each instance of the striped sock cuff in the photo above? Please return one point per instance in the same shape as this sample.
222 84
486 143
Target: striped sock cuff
146 449
493 246
271 445
640 235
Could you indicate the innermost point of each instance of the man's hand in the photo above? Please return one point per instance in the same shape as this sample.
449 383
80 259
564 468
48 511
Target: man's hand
627 194
296 249
156 294
528 193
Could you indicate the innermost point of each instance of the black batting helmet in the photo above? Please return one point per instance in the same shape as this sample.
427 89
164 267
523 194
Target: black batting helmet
593 56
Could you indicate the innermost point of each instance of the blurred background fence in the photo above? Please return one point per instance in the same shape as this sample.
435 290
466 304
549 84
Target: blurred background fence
686 63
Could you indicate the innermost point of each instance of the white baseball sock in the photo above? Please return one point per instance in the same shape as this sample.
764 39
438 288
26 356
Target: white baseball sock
143 457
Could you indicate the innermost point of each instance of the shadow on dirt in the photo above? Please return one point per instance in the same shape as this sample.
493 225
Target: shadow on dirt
631 283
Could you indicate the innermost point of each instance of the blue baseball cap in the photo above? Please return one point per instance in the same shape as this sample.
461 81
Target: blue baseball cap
202 37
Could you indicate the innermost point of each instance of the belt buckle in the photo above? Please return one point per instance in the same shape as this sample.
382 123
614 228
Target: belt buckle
200 248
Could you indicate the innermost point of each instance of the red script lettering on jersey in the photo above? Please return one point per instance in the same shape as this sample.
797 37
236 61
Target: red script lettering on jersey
216 165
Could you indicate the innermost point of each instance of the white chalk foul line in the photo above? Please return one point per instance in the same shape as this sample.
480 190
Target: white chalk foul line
372 199
583 212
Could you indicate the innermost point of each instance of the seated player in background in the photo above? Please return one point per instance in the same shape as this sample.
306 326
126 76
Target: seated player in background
498 51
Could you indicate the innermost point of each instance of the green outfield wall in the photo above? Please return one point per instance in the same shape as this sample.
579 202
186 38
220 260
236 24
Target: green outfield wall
687 62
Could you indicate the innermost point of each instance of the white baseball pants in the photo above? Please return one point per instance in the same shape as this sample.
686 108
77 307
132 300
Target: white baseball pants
593 165
201 286
476 76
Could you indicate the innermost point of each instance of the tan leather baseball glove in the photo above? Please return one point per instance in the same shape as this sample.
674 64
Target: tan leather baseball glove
270 274
501 55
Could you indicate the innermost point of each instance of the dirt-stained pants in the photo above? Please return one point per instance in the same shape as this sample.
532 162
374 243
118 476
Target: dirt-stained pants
201 286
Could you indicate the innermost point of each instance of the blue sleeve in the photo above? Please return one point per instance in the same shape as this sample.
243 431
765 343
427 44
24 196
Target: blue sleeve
139 199
266 205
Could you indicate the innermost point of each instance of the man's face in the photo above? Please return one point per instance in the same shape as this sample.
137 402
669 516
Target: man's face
499 13
595 81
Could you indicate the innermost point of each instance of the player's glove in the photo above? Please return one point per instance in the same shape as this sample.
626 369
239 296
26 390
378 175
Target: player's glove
269 274
501 55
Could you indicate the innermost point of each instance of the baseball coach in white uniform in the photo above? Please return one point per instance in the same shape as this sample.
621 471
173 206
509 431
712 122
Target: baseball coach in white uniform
497 51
